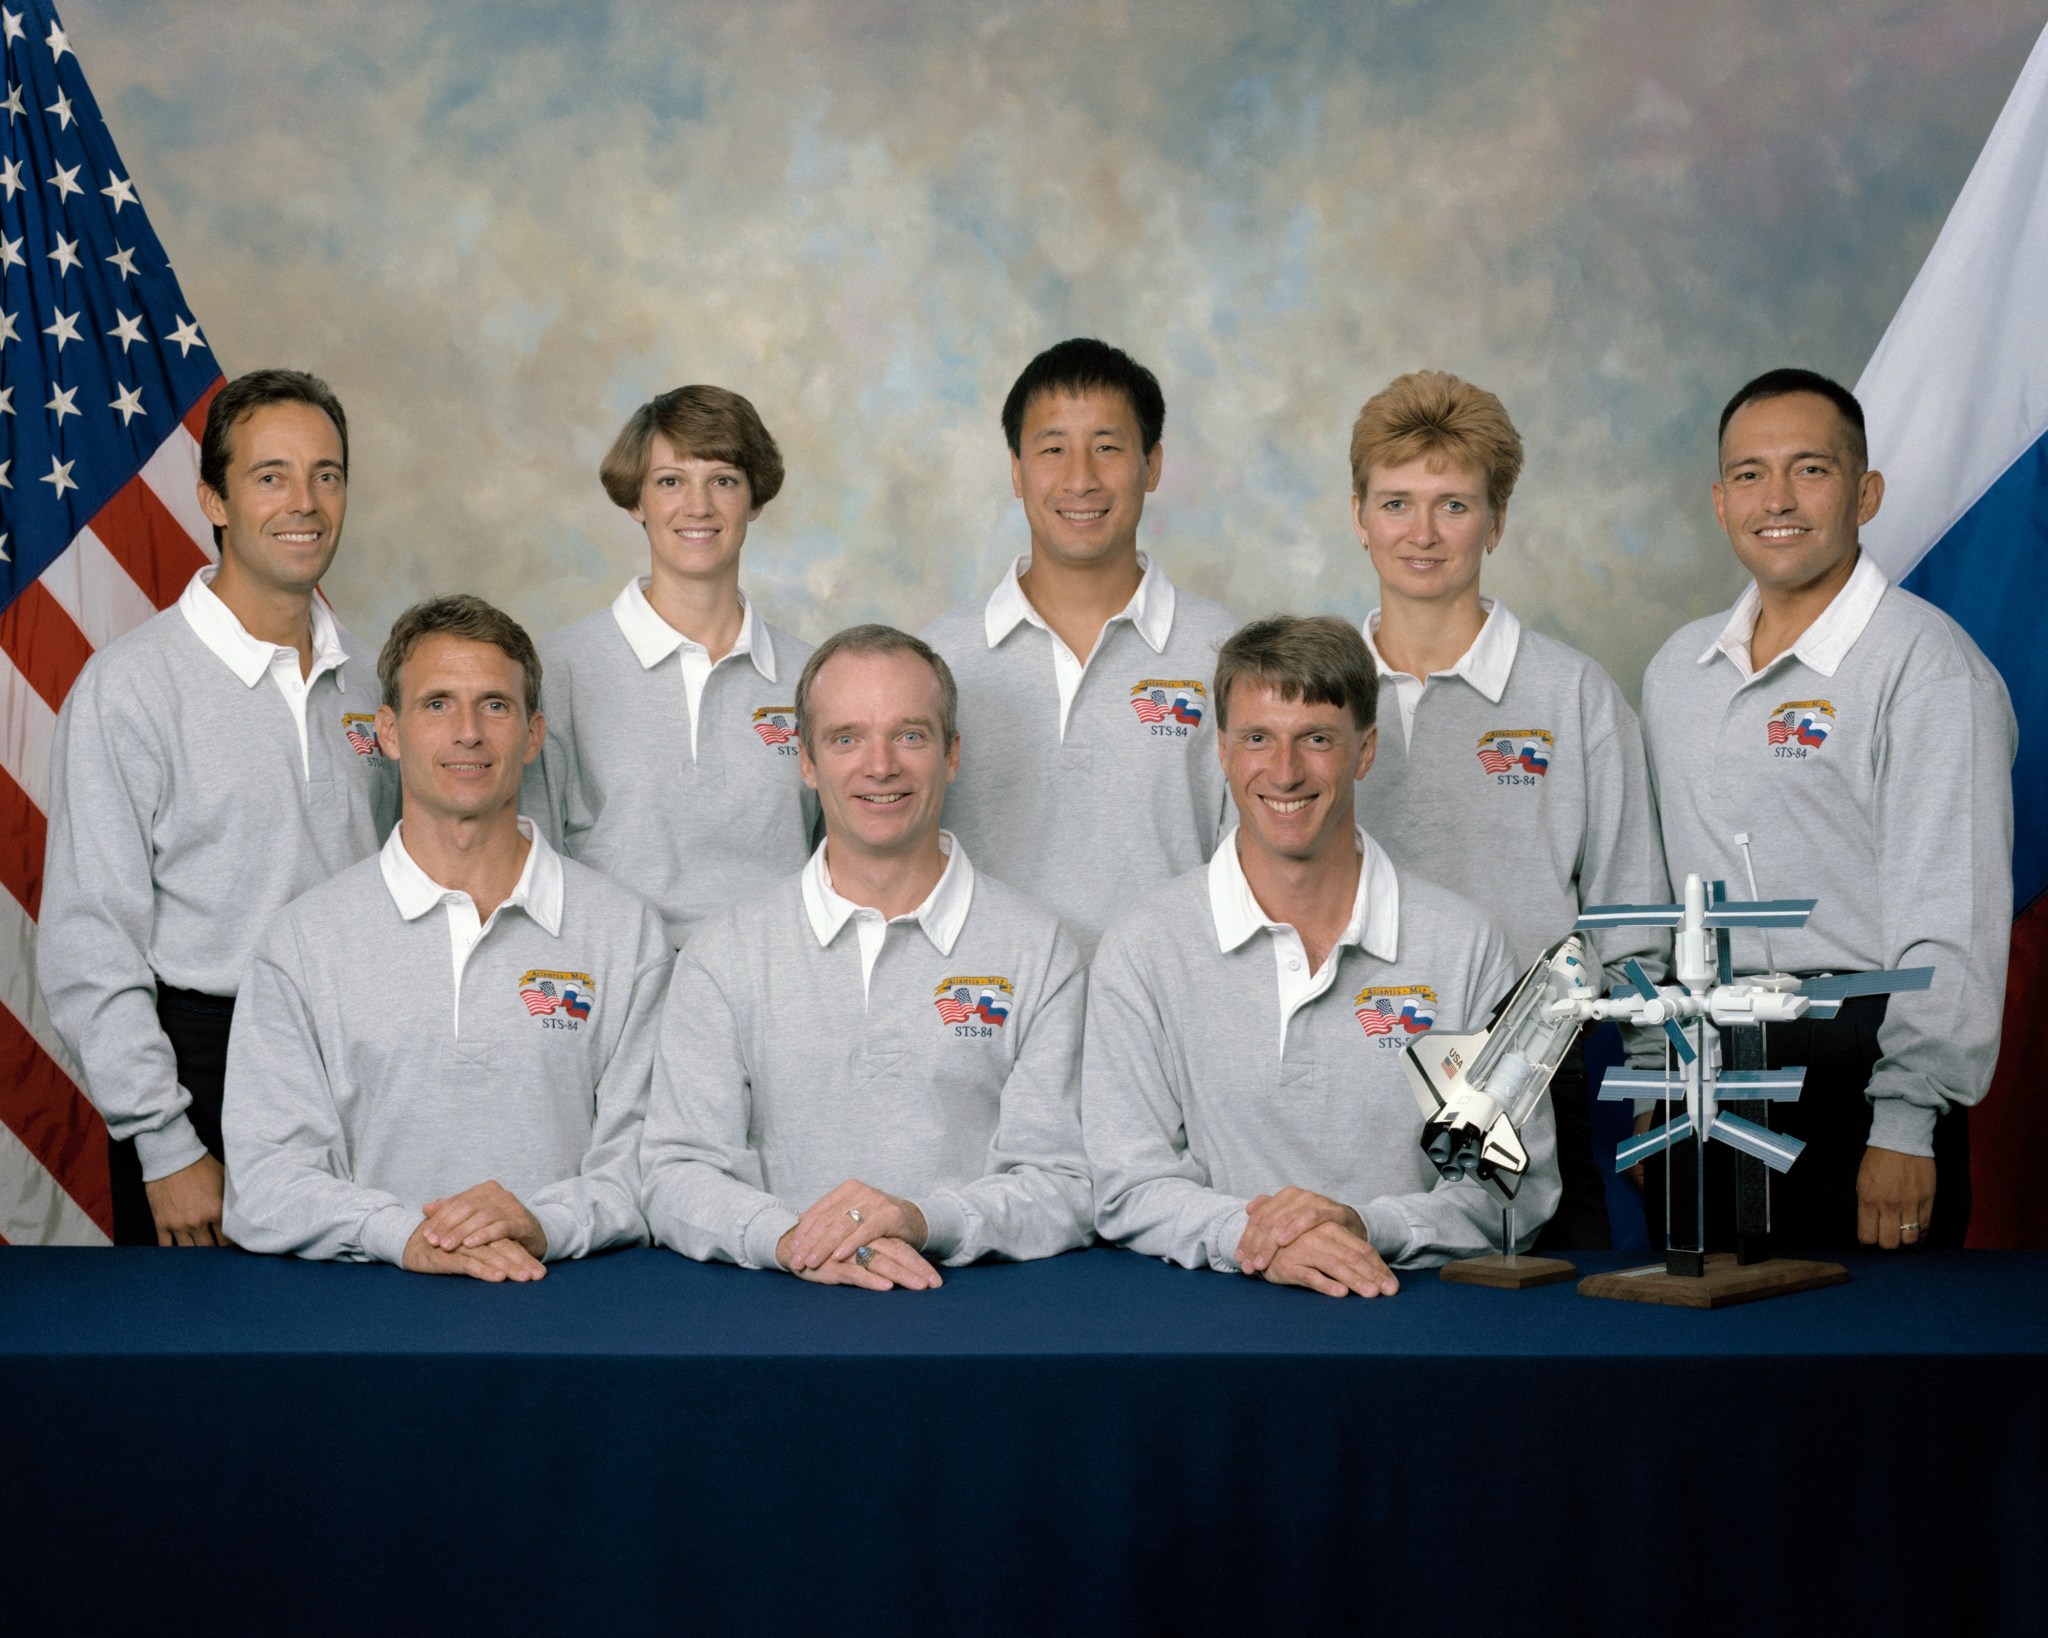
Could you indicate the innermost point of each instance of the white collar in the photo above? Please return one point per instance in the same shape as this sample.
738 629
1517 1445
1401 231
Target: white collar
1375 923
250 658
1150 609
538 891
1485 665
942 915
653 639
1823 645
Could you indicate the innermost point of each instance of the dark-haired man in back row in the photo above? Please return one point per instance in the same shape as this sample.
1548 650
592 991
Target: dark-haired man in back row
1863 743
209 767
1091 767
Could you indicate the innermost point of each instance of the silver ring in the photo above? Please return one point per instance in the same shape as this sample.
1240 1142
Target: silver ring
854 1213
1909 1228
864 1256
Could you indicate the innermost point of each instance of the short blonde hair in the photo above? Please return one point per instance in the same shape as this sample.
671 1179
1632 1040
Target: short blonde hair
1431 415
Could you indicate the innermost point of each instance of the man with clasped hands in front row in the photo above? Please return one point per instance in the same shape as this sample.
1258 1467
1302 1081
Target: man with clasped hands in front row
872 1069
1243 1093
440 1058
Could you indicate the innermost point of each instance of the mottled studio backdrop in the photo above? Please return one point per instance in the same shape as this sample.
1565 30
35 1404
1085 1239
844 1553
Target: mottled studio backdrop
496 227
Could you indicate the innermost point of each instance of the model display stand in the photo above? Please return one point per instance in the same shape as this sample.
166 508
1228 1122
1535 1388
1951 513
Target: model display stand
1722 1282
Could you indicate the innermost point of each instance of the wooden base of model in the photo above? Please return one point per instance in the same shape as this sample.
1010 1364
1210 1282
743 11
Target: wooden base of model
1723 1283
1508 1273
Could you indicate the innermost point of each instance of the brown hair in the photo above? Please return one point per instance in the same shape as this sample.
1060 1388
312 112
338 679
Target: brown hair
1315 658
459 615
701 423
1430 415
877 639
244 396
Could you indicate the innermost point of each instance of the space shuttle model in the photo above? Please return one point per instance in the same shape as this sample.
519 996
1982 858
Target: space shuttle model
1476 1091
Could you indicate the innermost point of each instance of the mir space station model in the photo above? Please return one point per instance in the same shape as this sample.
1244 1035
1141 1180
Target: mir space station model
1476 1091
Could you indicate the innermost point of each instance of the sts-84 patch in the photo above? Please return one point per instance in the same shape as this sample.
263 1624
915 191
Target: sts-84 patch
360 729
1395 1011
558 1000
1516 756
1171 708
1799 727
975 1006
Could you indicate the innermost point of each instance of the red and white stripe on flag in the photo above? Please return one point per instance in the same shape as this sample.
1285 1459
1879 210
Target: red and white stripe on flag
133 559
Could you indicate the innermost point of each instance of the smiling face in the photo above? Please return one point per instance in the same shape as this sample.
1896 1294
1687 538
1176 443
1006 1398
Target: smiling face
281 517
1291 767
874 749
1083 476
461 735
1793 493
1427 528
695 513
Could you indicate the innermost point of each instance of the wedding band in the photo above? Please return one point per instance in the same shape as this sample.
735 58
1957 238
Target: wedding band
1909 1228
864 1256
854 1213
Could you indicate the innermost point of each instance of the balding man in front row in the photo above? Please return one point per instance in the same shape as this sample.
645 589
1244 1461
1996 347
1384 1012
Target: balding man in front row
873 1069
1245 1104
440 1059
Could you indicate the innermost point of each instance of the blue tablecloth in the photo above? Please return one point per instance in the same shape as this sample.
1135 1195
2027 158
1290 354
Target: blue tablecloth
213 1441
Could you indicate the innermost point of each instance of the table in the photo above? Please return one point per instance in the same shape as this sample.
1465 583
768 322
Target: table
221 1442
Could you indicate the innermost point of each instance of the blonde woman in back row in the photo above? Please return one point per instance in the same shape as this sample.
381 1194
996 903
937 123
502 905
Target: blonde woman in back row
1511 768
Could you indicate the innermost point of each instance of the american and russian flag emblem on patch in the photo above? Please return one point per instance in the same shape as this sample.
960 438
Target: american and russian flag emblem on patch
568 996
1801 722
360 727
1160 699
1516 750
975 1000
776 724
1395 1009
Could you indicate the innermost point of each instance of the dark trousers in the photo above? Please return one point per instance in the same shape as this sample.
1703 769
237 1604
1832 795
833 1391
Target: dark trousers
198 1028
1580 1222
1813 1206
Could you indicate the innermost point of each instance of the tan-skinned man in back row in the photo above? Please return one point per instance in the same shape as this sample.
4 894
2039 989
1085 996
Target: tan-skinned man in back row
1863 743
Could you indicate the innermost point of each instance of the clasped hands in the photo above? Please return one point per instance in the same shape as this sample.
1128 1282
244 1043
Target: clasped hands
484 1232
1296 1237
822 1246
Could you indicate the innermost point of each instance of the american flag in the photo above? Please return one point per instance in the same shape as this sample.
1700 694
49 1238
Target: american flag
1150 707
1494 760
773 732
954 1008
104 383
1779 731
363 737
1375 1021
541 999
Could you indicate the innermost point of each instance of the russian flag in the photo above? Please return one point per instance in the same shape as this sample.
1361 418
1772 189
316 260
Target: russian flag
1957 400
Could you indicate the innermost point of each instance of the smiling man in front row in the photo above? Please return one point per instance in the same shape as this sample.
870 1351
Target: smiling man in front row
872 1068
1243 1097
457 1093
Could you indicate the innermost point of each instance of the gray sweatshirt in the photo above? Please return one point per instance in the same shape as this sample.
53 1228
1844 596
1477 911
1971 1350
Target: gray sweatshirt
617 785
186 812
1191 1108
1871 766
955 1084
1128 792
365 1079
1522 785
